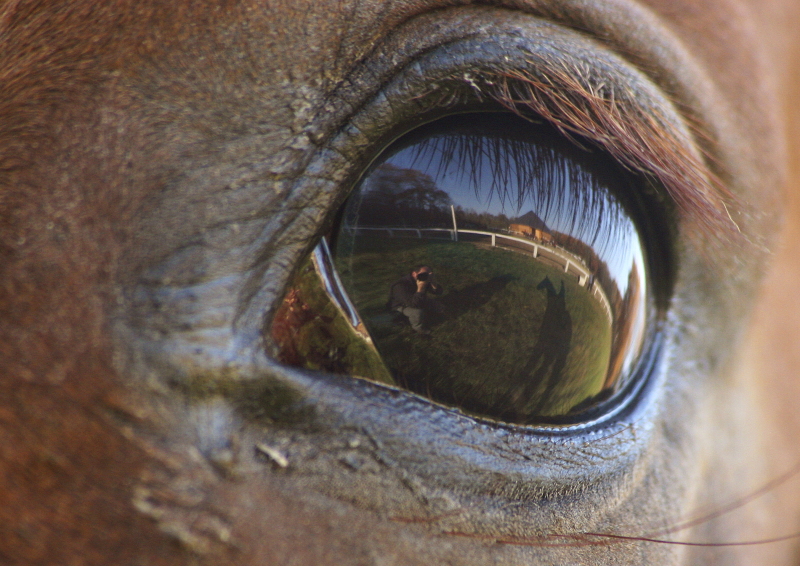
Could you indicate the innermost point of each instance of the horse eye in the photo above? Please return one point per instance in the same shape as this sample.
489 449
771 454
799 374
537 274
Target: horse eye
484 262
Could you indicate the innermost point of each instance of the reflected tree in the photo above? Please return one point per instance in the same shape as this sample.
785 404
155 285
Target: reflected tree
398 196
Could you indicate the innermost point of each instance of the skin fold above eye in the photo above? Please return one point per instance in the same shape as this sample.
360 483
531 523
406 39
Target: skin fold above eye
165 168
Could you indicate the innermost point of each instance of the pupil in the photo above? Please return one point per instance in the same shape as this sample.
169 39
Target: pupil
497 269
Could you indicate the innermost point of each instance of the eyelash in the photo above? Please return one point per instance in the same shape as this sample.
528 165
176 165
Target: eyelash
643 141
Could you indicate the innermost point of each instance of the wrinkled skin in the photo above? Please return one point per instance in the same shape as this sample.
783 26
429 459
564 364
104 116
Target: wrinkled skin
164 167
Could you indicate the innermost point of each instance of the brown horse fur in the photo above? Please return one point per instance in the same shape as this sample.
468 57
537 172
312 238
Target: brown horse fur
130 132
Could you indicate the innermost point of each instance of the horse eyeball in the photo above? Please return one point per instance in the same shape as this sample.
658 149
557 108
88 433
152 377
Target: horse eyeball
488 264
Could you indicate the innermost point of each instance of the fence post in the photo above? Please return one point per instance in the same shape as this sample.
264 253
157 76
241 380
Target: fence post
494 241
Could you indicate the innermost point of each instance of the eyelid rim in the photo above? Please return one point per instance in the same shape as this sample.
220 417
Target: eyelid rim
418 93
675 147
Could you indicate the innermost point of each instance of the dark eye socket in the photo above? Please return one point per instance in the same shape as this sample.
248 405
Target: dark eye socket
539 302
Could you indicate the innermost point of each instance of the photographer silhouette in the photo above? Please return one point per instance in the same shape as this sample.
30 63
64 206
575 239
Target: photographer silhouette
409 296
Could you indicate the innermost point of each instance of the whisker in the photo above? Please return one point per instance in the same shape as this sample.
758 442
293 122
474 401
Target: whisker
609 539
755 542
734 505
655 537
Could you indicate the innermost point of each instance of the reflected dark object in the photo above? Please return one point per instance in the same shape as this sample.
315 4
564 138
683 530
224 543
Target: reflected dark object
316 327
543 315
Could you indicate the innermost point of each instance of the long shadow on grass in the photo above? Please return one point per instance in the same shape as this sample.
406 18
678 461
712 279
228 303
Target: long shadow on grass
457 303
545 365
426 371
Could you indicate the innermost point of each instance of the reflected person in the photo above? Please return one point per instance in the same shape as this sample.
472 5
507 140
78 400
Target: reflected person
410 297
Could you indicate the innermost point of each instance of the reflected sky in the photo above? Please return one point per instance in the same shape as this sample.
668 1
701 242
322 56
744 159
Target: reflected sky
584 209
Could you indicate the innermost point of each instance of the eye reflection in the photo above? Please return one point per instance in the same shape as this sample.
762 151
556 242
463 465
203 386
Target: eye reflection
495 267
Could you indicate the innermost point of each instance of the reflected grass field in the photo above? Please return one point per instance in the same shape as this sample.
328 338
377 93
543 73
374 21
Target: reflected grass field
487 353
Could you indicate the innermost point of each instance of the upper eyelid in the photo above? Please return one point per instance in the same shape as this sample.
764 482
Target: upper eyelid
567 77
571 95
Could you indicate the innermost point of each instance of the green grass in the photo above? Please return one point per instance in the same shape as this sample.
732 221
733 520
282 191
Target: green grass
479 354
313 333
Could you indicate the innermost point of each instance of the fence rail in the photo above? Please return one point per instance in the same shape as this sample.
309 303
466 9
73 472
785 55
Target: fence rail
568 261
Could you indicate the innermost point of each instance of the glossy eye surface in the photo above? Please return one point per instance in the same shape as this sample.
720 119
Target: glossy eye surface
494 266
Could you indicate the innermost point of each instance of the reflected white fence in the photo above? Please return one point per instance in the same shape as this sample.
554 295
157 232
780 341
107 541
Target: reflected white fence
568 261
